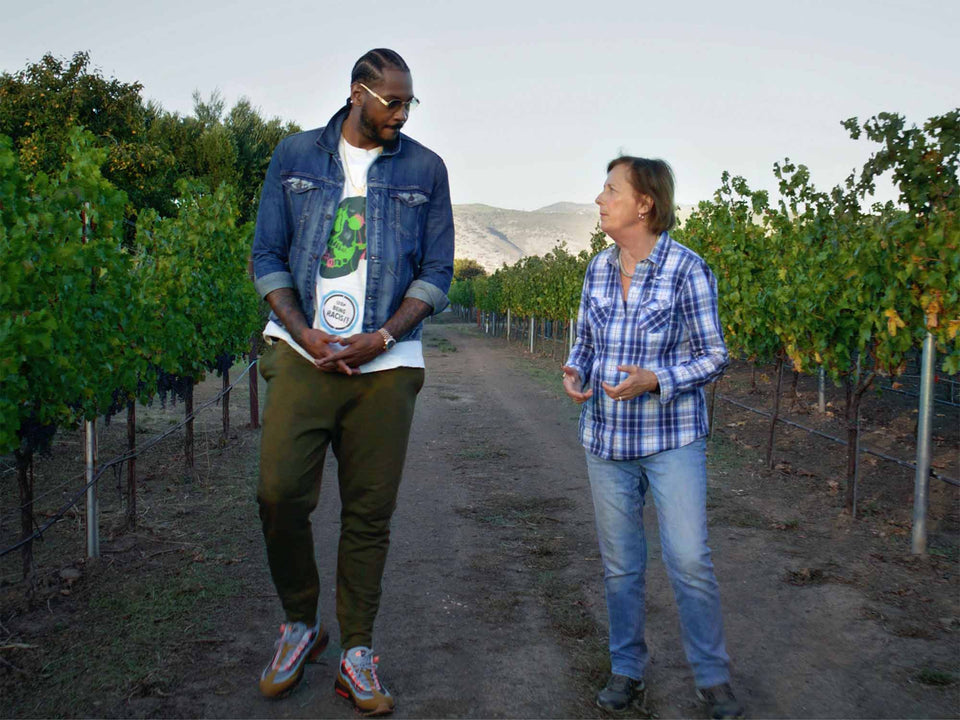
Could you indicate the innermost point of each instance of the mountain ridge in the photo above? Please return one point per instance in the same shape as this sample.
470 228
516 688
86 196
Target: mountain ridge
493 236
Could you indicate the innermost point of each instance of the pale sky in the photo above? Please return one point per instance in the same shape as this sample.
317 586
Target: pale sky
527 101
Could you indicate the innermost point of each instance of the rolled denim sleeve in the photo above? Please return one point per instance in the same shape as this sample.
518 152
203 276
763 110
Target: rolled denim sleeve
708 352
271 239
432 281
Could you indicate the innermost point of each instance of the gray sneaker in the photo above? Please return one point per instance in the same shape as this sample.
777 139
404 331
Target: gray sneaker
359 683
297 644
621 694
720 701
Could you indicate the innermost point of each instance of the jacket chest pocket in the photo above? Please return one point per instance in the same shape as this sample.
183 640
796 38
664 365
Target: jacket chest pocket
303 198
409 217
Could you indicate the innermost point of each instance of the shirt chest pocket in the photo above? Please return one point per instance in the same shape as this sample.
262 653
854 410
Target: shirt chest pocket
657 311
599 310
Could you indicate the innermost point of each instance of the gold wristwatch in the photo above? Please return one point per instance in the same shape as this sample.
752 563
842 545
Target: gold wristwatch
388 340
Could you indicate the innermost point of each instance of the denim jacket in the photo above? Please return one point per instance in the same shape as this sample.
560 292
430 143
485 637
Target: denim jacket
409 223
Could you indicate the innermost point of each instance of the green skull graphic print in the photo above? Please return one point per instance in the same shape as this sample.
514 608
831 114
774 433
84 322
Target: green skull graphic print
347 245
343 269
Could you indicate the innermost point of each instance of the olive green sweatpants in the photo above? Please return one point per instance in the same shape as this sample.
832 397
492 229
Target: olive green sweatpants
366 418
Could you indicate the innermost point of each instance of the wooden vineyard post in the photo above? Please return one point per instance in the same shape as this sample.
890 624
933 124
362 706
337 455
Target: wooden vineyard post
776 412
856 466
188 412
25 481
254 390
854 388
225 385
132 464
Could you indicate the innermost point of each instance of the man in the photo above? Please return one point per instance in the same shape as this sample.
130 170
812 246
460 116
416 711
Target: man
353 249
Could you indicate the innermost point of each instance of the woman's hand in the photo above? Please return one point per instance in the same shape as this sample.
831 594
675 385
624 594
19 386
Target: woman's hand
573 386
637 382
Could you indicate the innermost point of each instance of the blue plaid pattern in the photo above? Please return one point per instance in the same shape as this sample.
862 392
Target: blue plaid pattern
668 325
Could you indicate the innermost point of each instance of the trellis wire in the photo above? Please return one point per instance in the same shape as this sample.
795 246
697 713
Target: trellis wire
38 533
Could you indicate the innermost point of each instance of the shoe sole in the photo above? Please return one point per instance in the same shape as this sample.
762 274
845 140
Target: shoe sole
382 709
736 715
312 656
637 703
629 708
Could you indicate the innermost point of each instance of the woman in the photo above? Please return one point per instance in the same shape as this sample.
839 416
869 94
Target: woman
649 339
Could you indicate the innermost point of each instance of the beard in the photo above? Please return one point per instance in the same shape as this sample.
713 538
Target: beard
380 134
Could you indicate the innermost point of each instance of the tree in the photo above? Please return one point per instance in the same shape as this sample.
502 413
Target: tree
254 140
40 105
467 269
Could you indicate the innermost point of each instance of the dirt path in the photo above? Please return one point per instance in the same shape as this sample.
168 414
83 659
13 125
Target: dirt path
492 602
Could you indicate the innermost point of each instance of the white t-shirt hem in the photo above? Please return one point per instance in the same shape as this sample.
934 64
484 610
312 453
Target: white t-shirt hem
408 353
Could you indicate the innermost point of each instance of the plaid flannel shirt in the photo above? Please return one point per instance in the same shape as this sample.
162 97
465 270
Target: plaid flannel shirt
668 325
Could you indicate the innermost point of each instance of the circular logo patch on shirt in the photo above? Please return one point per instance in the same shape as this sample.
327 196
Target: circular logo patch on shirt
339 311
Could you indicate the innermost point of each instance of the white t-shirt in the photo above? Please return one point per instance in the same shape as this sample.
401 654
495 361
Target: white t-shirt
341 281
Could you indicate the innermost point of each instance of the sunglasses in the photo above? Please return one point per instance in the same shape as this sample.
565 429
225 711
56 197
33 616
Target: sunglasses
393 105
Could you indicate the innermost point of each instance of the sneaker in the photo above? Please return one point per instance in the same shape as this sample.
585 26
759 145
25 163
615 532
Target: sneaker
357 682
298 643
621 693
720 701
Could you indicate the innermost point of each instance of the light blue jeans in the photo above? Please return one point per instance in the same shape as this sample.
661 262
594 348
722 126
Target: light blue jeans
678 479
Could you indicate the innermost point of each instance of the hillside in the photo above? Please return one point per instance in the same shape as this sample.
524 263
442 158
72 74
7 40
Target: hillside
493 236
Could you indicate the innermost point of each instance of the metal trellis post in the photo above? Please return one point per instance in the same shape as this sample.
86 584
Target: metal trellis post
821 390
921 484
93 525
856 451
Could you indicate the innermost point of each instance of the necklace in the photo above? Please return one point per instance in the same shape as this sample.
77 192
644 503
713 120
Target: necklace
622 270
361 189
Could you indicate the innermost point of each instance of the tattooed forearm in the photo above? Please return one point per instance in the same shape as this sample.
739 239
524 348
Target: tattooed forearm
407 316
286 305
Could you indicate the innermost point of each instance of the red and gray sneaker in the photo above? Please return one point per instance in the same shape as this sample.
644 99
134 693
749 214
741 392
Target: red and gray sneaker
298 643
357 682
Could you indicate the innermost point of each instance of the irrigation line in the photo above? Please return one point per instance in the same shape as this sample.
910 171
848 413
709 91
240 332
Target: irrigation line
38 533
913 466
938 380
41 496
936 401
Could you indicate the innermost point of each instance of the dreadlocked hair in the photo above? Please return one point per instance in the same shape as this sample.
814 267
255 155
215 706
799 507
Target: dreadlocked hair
370 67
